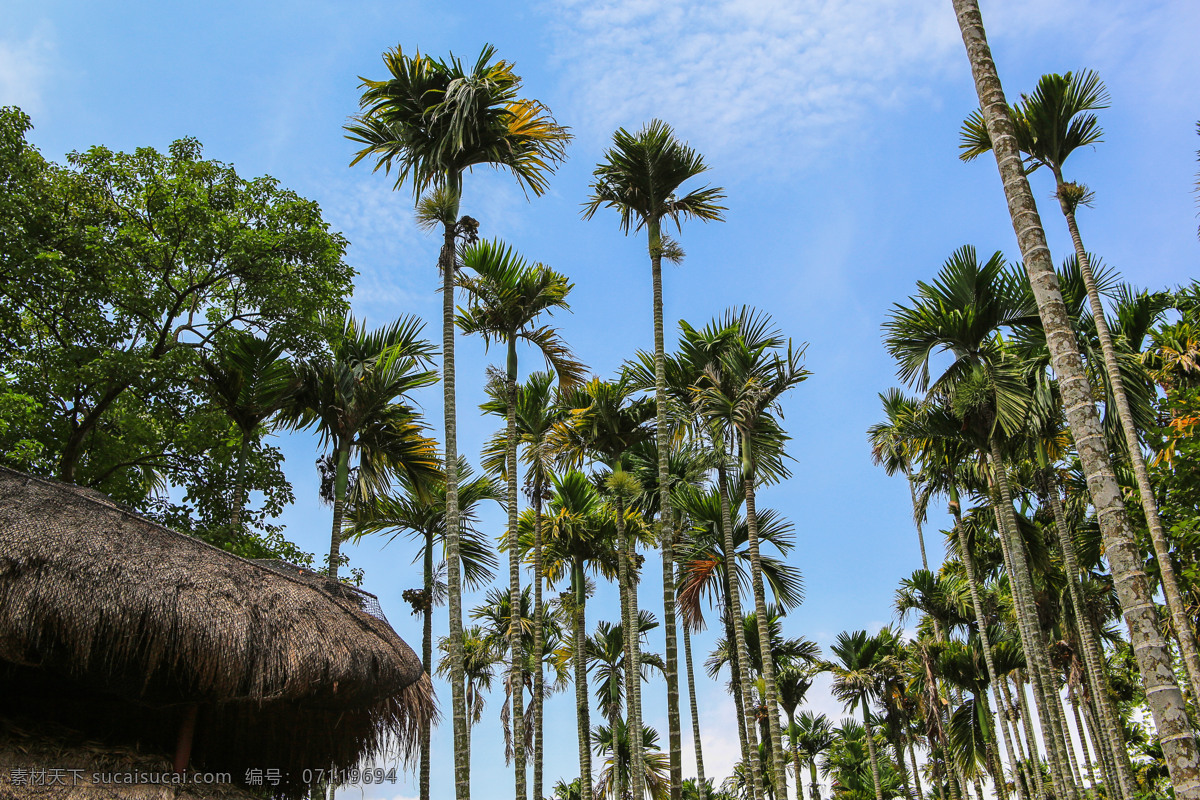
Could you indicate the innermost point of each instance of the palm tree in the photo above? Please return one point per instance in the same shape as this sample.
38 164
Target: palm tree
578 540
988 390
640 178
480 662
421 510
1050 125
744 391
433 120
1154 659
615 743
811 735
856 681
505 296
606 652
248 378
537 412
355 394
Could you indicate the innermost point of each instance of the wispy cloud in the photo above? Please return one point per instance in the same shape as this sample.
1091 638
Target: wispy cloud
25 67
779 82
746 74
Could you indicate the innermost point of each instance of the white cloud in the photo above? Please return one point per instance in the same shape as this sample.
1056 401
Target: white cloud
746 75
25 68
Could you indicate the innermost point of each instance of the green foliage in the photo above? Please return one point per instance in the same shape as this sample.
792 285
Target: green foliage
120 273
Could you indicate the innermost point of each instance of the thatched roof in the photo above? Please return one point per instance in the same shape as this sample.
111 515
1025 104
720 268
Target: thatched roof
97 602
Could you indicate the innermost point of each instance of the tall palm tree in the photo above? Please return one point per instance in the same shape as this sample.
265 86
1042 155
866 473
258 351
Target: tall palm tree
856 681
480 662
421 510
605 420
616 744
744 391
578 539
1050 125
812 735
988 389
537 412
356 394
1154 659
433 120
640 178
506 295
248 378
606 653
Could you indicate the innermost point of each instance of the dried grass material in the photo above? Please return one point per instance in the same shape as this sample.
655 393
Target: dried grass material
287 672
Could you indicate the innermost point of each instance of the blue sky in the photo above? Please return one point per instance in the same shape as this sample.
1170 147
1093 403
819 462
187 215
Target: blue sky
832 126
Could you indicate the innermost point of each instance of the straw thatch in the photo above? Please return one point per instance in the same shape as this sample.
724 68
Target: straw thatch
115 626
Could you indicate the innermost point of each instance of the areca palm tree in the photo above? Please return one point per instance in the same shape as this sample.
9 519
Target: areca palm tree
616 744
811 735
856 682
1163 696
356 394
421 510
433 120
480 661
506 295
1050 124
248 378
606 651
537 412
744 390
640 177
578 540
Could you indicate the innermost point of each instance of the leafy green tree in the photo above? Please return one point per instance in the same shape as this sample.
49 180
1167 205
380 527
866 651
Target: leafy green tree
615 744
810 736
640 178
434 120
120 271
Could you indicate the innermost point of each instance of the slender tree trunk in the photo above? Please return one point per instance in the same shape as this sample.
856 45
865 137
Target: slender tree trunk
239 487
539 644
341 478
795 747
981 621
1032 641
735 678
916 770
667 534
458 700
582 709
1180 623
1035 763
778 757
426 655
1092 659
632 636
1073 697
1112 787
1154 660
813 787
902 768
741 676
516 651
912 490
871 751
702 789
1025 786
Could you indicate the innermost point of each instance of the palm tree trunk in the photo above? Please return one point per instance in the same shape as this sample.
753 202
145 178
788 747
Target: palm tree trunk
539 644
1021 763
871 751
582 709
813 787
702 789
902 768
341 478
633 673
667 540
1154 660
516 670
239 487
1180 624
1092 660
1032 640
1035 758
427 655
795 746
1103 755
458 699
981 622
916 770
778 754
735 682
1073 697
912 490
741 673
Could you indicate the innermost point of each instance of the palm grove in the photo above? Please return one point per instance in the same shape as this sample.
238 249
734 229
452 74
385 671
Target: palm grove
162 315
